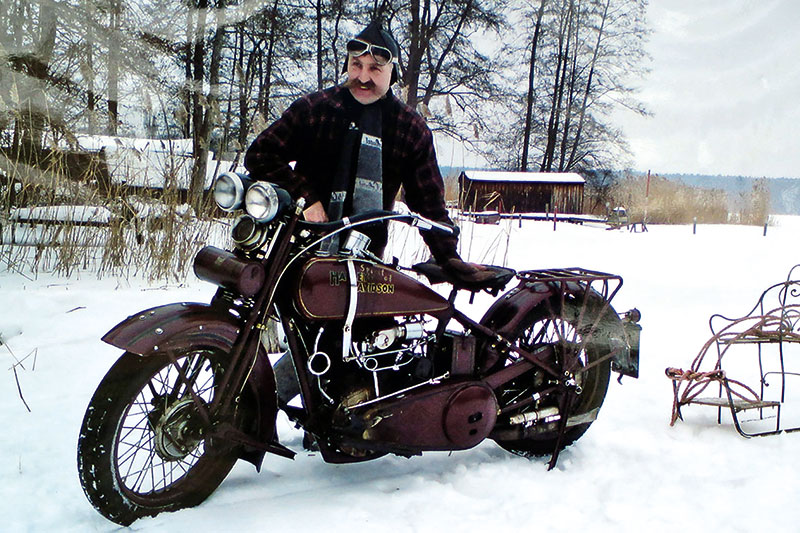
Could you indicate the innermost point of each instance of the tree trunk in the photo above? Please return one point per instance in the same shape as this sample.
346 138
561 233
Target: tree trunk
318 14
199 142
266 88
571 89
245 88
588 89
526 134
113 66
416 49
34 108
558 92
206 112
88 71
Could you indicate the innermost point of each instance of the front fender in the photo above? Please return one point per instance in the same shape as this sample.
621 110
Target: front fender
173 325
183 325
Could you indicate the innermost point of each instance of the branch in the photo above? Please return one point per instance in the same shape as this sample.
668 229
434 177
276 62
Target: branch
18 363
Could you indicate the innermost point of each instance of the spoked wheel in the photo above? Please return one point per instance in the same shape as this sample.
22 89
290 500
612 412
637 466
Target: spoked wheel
533 403
142 448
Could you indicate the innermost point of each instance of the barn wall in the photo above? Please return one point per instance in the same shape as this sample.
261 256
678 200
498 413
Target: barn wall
515 197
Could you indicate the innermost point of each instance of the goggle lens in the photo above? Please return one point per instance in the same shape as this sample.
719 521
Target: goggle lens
381 55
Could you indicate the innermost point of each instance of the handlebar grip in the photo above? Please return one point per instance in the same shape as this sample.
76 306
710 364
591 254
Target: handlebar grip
425 224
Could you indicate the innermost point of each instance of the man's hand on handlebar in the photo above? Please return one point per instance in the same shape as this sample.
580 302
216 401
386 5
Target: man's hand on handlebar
315 213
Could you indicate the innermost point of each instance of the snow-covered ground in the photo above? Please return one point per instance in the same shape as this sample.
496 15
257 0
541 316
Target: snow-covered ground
630 472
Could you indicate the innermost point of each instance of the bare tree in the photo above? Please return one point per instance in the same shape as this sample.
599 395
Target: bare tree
441 59
585 53
529 98
205 105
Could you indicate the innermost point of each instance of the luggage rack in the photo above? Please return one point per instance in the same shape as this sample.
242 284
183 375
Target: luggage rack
607 285
594 290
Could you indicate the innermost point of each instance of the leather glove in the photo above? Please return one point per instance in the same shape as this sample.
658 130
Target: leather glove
467 272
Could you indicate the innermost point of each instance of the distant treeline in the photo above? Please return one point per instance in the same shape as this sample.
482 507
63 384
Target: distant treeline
784 192
680 198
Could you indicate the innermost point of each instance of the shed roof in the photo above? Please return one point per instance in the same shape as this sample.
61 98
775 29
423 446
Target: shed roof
524 177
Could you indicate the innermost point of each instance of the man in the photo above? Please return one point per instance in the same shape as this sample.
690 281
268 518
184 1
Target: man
355 145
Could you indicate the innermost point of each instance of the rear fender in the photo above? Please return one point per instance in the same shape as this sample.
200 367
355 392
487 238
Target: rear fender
182 325
509 315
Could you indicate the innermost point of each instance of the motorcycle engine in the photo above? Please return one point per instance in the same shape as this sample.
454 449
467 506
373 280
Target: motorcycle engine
385 355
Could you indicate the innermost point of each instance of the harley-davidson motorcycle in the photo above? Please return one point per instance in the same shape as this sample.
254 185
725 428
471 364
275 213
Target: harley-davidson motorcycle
380 362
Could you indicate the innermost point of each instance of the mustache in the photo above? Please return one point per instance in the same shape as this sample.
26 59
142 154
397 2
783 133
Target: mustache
353 82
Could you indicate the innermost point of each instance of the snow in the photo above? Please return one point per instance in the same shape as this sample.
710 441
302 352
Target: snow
152 163
524 177
77 214
98 142
630 472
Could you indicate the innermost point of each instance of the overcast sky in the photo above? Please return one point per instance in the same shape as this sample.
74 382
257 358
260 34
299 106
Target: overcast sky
723 88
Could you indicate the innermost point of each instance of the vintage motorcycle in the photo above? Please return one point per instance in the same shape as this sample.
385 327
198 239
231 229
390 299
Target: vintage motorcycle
382 363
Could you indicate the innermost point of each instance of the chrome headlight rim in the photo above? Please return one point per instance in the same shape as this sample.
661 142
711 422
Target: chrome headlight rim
261 201
248 234
229 191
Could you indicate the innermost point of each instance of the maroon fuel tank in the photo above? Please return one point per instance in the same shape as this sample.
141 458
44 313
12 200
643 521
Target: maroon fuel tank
323 291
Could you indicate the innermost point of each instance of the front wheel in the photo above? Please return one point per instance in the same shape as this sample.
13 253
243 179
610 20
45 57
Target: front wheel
532 403
142 449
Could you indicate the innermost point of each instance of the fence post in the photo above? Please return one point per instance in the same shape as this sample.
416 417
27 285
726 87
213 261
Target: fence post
694 226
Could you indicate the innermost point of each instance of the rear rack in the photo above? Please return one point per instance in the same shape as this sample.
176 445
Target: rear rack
606 284
624 350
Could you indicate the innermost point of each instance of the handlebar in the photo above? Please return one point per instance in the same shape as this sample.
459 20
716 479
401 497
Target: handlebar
379 215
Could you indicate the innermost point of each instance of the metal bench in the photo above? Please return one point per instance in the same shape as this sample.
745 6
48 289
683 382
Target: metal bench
773 321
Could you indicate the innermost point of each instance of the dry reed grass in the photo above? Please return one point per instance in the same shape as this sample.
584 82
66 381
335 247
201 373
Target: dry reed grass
152 234
671 202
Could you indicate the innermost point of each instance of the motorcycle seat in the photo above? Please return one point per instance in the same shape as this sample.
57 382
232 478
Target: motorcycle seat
492 284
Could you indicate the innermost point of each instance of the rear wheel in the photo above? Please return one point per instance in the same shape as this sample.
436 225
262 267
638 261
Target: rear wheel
532 404
142 448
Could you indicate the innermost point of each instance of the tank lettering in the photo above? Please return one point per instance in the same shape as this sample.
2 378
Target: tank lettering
375 288
369 280
338 277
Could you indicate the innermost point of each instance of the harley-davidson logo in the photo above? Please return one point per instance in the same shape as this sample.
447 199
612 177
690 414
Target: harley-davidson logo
369 280
338 277
375 288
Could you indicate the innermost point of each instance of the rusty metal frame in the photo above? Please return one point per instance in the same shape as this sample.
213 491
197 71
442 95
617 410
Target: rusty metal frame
763 325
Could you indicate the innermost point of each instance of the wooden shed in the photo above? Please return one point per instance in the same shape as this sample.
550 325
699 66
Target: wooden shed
521 192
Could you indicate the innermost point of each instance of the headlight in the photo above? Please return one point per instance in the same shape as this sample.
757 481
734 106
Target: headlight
229 190
249 234
263 201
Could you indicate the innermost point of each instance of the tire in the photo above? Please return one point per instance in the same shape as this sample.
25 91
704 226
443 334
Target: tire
569 328
141 449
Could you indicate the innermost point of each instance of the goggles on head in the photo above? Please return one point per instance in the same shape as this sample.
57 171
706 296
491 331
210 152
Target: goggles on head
381 55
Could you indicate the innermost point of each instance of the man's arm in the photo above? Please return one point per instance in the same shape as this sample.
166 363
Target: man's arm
424 192
269 155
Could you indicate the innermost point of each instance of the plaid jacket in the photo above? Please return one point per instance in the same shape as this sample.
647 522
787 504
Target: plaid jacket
311 132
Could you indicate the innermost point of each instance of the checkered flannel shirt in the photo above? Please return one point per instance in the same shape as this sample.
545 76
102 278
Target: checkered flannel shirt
311 131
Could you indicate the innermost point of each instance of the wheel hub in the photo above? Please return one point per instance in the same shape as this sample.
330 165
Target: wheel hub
178 431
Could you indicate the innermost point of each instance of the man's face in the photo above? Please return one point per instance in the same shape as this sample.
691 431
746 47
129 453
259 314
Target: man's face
367 80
